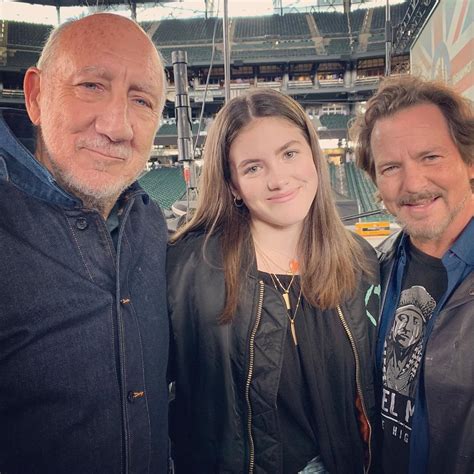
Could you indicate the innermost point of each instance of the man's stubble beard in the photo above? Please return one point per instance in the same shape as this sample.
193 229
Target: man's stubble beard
426 233
101 200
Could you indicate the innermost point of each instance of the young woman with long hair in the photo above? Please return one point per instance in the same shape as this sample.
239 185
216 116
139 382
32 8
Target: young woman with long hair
270 303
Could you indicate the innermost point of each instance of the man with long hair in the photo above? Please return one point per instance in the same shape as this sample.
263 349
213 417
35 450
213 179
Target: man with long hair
416 141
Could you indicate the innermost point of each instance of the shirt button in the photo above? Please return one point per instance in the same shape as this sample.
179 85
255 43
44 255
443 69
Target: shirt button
81 223
133 396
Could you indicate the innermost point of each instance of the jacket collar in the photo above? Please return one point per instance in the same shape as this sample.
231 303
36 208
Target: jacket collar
392 245
462 247
464 244
19 166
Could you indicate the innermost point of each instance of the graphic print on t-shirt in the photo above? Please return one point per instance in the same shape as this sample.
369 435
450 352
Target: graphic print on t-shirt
402 355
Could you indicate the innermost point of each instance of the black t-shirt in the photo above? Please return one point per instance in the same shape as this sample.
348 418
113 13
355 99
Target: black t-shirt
424 284
317 377
295 412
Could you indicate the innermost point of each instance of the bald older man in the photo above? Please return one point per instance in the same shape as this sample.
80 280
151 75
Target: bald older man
83 320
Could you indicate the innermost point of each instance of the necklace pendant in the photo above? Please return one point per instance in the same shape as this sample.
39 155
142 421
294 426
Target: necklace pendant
294 266
286 297
293 331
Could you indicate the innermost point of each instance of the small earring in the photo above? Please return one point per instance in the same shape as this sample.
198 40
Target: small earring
238 202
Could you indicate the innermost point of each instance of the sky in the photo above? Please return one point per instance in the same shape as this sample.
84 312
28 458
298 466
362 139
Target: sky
18 11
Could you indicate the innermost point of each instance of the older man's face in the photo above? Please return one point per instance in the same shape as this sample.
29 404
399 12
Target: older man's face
420 174
99 107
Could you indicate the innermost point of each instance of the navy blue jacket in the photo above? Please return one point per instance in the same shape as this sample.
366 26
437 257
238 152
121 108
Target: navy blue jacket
83 326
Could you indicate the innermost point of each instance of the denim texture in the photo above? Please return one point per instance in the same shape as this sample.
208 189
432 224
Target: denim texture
83 326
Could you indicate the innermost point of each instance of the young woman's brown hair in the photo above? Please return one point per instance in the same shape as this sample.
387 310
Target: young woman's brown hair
330 257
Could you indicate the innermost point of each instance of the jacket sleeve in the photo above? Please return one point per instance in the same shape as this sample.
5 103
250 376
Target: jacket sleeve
180 271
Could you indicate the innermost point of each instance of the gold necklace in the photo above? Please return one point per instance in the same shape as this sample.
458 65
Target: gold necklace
293 264
286 291
286 298
274 278
292 319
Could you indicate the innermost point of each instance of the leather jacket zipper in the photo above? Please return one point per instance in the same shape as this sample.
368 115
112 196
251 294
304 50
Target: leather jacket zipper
250 373
359 389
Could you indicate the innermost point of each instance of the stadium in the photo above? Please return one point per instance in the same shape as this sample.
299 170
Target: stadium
329 55
189 281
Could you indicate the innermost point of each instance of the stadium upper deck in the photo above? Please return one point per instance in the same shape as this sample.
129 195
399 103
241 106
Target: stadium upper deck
291 38
315 57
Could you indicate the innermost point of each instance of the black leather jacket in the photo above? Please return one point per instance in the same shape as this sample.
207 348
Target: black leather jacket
224 418
448 374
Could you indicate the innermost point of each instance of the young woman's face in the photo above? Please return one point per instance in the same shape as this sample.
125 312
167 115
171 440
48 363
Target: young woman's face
273 171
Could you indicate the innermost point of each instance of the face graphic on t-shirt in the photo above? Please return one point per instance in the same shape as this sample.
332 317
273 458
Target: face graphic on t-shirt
408 326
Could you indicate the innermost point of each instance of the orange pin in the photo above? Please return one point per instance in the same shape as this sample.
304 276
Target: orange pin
294 266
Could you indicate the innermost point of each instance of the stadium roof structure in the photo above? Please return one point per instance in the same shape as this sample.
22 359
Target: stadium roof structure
85 3
132 4
106 4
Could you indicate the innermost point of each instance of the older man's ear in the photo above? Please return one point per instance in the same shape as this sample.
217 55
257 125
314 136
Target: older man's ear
31 88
